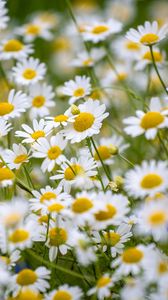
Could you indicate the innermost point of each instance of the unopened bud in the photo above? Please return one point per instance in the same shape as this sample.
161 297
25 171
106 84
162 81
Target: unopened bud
119 181
74 109
113 150
113 186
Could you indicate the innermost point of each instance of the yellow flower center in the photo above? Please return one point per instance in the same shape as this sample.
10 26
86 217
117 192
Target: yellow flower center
83 121
62 295
6 108
54 152
47 196
57 236
103 281
157 218
132 46
38 134
13 46
149 38
122 76
27 294
33 29
12 219
26 277
38 101
151 120
104 153
60 118
55 207
6 174
79 92
100 29
107 214
19 235
163 267
29 74
132 255
20 158
151 180
73 171
157 56
81 205
43 219
5 259
111 238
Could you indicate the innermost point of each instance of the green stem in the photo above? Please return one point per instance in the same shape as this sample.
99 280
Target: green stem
29 180
163 144
54 266
156 69
23 186
126 160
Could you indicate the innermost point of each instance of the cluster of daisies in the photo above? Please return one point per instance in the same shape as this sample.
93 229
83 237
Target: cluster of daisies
83 156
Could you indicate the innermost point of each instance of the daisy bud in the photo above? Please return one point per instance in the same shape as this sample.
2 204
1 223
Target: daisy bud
113 150
74 109
119 181
113 186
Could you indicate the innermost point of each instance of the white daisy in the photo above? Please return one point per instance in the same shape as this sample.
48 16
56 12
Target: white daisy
102 288
77 172
14 49
148 179
148 34
28 71
49 200
41 98
144 58
30 135
147 123
85 59
36 280
99 31
134 289
5 127
131 260
31 31
6 176
49 19
60 120
153 220
128 49
116 239
65 292
28 293
16 104
78 88
16 157
87 123
115 208
3 15
50 151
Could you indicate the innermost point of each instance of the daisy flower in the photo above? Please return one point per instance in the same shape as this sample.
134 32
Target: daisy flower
77 172
16 157
16 104
108 147
33 30
60 120
36 280
4 127
131 260
28 293
14 49
6 177
100 31
28 71
65 292
30 135
128 49
42 99
12 213
116 239
85 59
3 15
57 237
87 123
115 208
49 200
49 19
147 180
149 34
78 88
50 151
102 288
85 253
144 58
134 289
147 123
153 220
